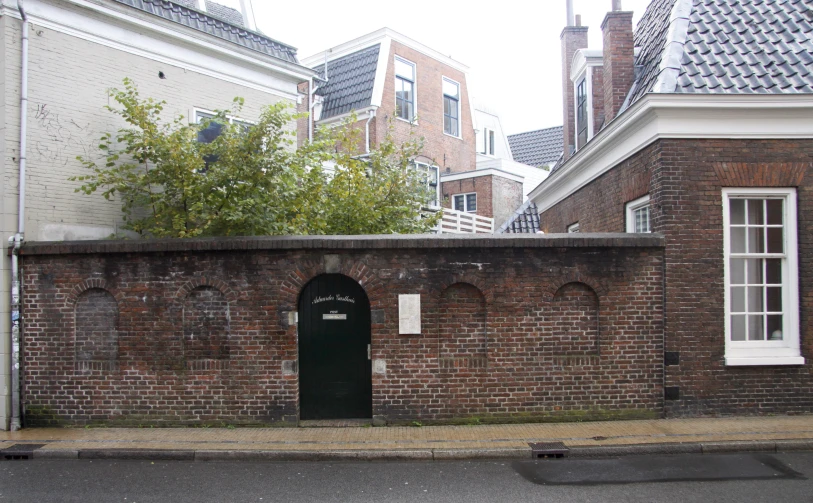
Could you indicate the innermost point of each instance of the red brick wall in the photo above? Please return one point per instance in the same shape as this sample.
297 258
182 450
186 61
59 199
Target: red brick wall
482 185
619 61
492 344
440 149
684 179
573 38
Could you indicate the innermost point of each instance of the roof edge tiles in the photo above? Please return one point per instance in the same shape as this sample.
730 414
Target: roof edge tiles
214 26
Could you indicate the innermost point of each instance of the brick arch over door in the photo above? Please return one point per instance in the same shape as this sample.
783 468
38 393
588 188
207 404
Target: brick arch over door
206 324
96 336
462 327
573 327
307 271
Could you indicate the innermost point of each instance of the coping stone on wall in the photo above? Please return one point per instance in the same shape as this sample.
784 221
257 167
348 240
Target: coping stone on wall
414 241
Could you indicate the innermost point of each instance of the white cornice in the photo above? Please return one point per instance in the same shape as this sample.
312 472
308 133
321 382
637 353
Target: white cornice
187 48
584 58
481 172
657 116
376 37
361 114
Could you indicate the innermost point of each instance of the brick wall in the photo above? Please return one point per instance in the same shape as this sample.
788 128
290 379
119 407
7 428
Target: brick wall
619 61
573 38
203 331
684 179
481 185
440 149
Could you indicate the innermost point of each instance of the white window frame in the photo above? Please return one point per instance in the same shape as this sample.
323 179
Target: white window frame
632 207
459 108
488 142
573 228
466 201
414 89
766 352
436 169
195 120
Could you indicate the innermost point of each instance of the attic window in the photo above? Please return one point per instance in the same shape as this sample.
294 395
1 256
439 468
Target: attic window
581 113
404 89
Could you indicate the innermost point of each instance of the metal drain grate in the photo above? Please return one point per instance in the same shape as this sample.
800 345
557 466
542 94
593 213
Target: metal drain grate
19 451
548 450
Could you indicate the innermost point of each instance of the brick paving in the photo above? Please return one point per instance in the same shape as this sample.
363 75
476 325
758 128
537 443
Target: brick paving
480 437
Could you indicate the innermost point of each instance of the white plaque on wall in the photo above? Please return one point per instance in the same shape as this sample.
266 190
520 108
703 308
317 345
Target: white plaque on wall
409 314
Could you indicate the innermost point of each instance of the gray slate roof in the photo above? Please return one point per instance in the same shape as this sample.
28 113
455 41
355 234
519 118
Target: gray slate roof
232 16
217 22
728 46
537 148
350 82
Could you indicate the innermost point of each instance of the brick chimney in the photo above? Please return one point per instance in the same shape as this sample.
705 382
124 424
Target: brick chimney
574 37
619 59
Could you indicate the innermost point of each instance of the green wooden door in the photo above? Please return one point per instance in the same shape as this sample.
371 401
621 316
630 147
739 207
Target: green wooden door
335 372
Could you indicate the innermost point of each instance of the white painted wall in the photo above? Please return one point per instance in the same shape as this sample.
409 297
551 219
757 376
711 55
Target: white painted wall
76 54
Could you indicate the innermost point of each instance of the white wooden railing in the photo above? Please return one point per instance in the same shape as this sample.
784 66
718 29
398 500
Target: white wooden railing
459 222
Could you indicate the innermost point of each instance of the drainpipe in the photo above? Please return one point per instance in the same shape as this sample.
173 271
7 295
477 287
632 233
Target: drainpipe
17 239
367 131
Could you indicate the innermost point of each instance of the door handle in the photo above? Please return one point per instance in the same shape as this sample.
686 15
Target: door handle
369 353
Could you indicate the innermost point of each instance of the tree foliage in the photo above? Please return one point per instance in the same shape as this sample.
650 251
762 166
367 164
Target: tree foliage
251 180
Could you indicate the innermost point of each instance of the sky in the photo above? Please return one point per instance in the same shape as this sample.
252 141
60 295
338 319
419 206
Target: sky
512 47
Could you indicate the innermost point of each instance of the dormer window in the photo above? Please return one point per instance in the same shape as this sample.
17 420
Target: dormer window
581 114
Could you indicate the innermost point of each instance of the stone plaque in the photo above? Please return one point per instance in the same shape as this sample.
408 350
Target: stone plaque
409 314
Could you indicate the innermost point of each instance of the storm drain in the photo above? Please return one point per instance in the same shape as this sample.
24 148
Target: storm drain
548 450
19 451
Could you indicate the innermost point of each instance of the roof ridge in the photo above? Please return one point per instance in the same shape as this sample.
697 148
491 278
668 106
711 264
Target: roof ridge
674 48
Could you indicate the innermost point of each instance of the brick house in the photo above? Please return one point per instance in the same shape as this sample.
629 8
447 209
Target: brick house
697 126
388 78
195 54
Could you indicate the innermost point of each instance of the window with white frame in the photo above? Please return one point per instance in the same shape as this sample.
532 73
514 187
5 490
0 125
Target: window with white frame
638 215
581 113
761 277
430 175
451 107
488 142
404 89
465 202
213 129
573 227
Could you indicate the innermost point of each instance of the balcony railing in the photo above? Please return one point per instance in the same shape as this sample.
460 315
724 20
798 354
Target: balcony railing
459 222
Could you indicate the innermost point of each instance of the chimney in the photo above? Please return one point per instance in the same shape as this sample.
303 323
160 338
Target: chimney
619 59
201 5
573 37
248 15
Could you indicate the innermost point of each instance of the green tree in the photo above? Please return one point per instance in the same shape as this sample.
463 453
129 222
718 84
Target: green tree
249 180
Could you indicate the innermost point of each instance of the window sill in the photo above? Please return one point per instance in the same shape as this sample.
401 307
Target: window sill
764 361
413 123
452 136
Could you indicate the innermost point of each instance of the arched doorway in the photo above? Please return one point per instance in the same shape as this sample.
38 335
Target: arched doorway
335 372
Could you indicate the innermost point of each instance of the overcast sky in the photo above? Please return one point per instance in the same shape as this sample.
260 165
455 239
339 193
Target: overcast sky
511 46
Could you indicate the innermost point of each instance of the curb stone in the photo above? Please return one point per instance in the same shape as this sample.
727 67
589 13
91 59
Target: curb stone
56 454
138 454
739 446
632 450
451 454
794 445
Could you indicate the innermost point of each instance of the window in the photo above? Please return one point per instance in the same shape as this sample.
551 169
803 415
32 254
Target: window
214 129
404 89
638 215
761 277
465 202
581 113
573 227
488 142
451 107
430 176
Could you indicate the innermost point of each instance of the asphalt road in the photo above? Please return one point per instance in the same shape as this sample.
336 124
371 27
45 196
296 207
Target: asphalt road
684 478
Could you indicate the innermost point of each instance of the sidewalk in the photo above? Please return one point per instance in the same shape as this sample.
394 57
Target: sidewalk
610 438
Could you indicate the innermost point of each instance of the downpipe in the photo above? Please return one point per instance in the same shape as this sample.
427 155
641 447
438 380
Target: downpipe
17 240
